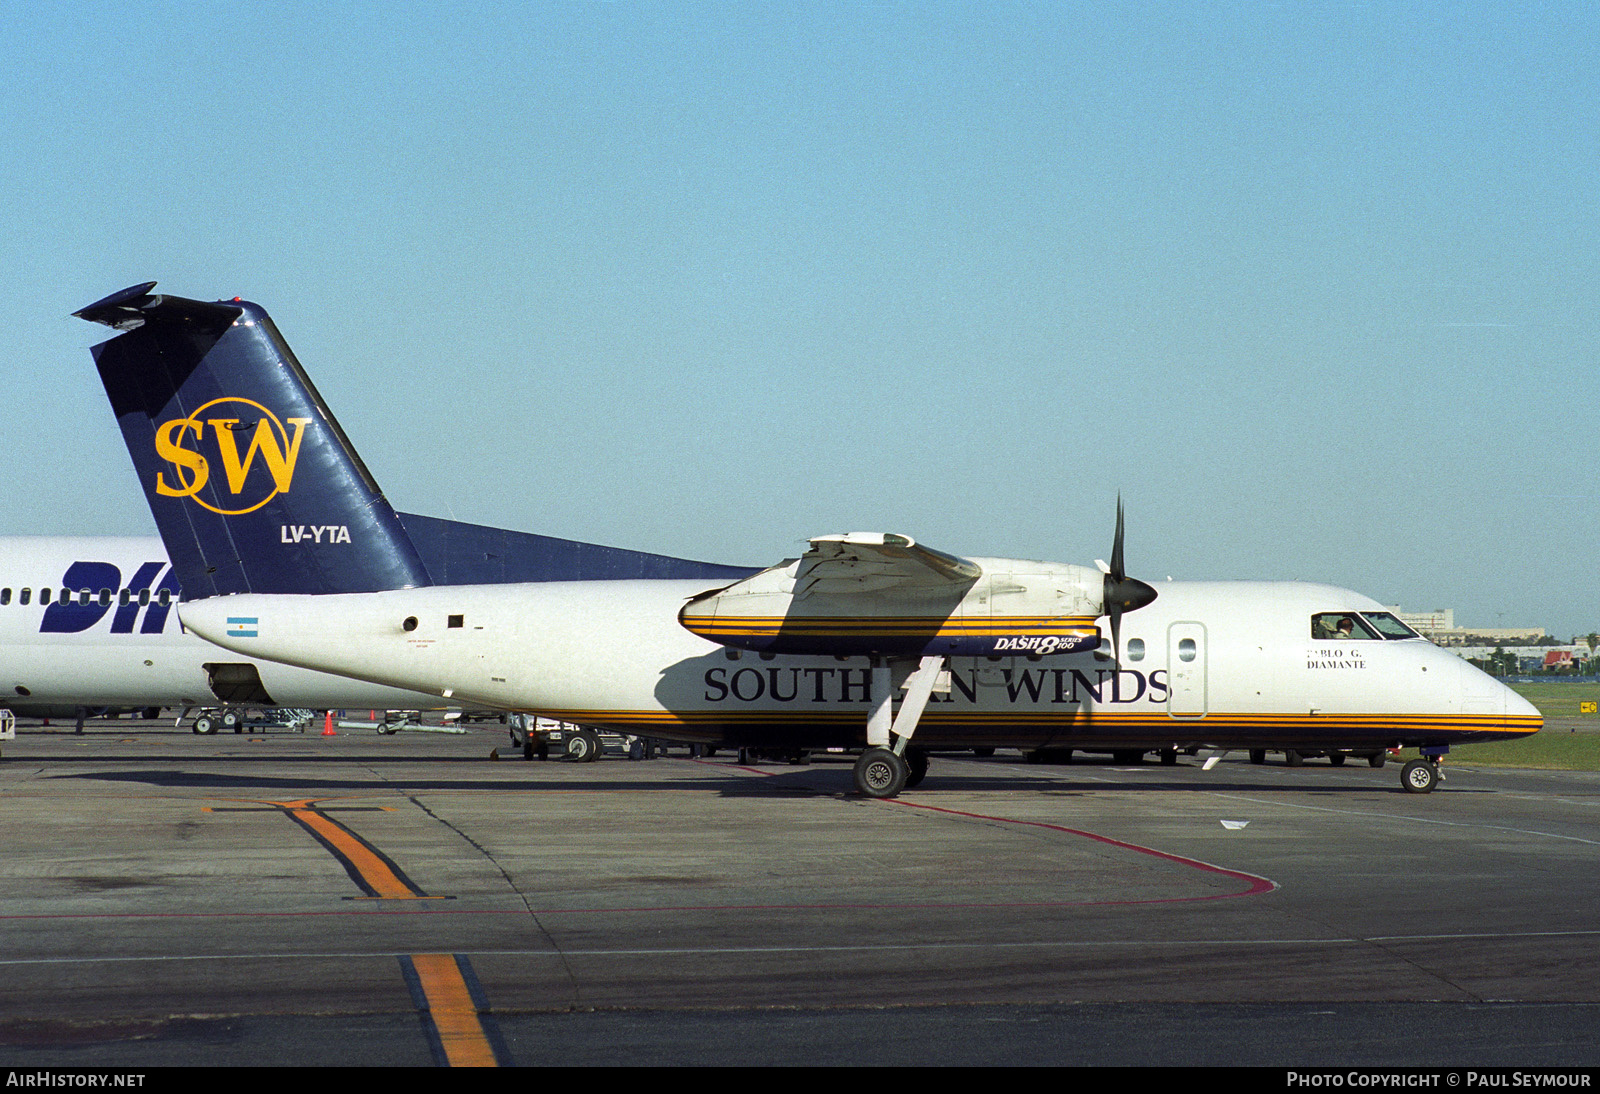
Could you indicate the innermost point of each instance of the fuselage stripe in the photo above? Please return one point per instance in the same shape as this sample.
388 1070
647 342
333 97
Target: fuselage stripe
1400 723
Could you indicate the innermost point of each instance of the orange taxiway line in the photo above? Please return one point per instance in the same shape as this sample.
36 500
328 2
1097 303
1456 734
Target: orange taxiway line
454 1015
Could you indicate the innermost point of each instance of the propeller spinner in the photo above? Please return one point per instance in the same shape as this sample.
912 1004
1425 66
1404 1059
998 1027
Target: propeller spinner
1121 593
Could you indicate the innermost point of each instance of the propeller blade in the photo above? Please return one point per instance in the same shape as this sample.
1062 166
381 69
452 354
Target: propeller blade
1121 593
1116 546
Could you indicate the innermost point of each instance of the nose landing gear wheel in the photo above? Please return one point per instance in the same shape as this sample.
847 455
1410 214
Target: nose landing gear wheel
880 773
1419 777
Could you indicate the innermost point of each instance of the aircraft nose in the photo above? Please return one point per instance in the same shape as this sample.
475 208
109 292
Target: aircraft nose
1483 694
1517 706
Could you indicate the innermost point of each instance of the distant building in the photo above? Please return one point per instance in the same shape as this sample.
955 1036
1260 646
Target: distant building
1529 659
1439 626
1427 623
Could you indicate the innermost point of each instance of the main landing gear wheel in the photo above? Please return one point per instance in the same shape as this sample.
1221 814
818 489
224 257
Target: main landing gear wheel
583 747
880 773
917 765
1419 777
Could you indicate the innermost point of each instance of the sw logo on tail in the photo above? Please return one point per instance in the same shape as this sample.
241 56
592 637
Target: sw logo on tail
278 450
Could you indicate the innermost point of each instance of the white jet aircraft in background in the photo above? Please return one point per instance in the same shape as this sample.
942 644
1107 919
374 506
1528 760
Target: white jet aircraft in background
88 623
286 551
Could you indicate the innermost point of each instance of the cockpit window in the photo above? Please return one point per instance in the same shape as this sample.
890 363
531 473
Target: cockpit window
1388 626
1339 627
1356 626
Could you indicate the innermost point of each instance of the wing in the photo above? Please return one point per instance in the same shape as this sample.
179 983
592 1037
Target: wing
859 563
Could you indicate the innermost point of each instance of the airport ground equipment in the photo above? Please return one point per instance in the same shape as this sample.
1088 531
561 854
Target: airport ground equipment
541 738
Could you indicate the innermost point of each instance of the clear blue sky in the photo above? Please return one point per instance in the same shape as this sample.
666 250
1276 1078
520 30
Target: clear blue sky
1312 284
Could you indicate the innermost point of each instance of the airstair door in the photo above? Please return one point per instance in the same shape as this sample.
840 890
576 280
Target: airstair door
1186 671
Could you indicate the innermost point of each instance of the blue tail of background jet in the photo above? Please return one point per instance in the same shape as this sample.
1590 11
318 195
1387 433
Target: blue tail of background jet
255 488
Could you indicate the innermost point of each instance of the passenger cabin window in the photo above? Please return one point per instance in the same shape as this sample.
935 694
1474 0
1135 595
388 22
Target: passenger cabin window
44 596
1135 649
27 594
5 596
455 621
1186 649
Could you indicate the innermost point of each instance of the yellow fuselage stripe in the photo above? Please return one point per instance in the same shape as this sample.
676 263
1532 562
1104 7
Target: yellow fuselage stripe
1065 719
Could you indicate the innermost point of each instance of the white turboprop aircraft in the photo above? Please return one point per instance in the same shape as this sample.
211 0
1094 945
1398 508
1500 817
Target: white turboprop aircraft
87 622
293 555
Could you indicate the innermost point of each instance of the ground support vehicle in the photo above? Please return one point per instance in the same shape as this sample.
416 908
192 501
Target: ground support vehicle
542 738
241 719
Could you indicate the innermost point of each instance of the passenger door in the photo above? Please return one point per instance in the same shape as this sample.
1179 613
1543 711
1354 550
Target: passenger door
1186 671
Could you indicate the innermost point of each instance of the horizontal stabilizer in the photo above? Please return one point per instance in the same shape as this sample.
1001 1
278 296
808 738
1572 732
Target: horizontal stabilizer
474 554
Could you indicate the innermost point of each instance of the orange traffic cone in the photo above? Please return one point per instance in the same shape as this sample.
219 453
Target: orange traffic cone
327 725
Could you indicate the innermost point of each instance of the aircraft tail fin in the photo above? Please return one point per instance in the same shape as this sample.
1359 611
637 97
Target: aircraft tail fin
253 485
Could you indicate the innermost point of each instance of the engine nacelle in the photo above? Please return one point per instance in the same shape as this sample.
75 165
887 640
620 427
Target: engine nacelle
884 595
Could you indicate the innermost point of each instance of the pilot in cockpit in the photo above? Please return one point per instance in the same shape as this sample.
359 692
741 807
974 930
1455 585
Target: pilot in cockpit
1332 627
